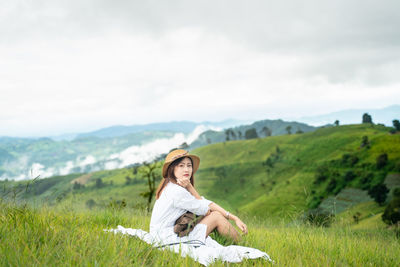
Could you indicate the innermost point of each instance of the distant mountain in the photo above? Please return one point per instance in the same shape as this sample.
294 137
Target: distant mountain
22 158
104 149
354 116
185 127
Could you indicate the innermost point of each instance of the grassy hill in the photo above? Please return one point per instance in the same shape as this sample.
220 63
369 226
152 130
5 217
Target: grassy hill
265 177
234 173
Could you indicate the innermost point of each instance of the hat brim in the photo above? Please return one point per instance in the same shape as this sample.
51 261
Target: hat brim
195 160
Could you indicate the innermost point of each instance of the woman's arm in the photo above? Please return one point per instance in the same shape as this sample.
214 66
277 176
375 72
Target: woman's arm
213 206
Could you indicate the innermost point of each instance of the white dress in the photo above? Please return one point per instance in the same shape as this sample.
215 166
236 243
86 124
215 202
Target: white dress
173 202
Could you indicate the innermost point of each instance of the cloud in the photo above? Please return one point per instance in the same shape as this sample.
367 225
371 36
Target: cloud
149 151
73 66
89 163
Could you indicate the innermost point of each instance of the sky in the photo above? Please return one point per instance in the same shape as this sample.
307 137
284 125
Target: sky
77 66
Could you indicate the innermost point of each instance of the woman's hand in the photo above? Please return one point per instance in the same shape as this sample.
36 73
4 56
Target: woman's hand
241 225
184 182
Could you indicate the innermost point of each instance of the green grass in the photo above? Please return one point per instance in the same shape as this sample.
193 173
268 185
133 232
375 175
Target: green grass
67 237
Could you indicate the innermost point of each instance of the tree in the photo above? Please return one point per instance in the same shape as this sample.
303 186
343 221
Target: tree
289 129
233 134
396 125
251 133
149 171
266 131
379 193
184 145
366 118
240 134
76 186
299 131
99 183
128 180
391 215
336 122
227 135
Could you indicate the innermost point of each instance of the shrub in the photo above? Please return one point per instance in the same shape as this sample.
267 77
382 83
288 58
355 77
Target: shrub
117 204
364 142
318 217
90 203
353 160
366 180
251 133
331 186
99 183
321 175
379 193
77 186
381 161
391 215
356 217
396 192
349 176
349 160
396 125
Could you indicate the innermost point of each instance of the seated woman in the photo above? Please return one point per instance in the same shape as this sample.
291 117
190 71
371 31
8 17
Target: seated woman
176 195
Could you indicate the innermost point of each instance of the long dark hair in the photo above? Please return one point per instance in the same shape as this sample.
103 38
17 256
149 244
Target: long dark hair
171 176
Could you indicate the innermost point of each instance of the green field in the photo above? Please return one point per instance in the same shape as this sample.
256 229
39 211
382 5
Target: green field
64 237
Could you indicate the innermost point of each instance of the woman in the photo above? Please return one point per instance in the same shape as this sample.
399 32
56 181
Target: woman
176 195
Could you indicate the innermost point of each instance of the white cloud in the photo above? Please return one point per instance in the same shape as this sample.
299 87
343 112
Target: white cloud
39 170
67 169
63 69
148 151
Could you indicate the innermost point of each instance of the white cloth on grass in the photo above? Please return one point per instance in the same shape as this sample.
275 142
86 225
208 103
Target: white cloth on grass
173 202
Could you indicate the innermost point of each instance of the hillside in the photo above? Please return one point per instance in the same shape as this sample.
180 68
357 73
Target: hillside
113 147
263 128
284 185
267 177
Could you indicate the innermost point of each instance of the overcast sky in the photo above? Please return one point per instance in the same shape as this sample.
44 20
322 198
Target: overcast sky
75 66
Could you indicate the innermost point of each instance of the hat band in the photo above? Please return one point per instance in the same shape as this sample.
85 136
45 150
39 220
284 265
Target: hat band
178 156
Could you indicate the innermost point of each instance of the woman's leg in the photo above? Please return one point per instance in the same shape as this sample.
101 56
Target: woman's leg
216 220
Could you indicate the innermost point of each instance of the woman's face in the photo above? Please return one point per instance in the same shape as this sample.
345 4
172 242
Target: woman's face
184 169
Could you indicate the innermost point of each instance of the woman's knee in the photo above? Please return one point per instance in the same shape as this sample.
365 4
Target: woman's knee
216 215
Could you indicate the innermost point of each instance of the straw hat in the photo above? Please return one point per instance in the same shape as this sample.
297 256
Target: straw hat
176 154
